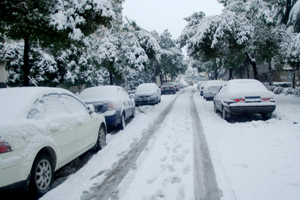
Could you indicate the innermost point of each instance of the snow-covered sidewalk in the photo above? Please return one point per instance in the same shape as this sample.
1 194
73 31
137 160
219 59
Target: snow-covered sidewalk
258 159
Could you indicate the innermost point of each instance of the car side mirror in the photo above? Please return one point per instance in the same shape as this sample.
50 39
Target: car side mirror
90 108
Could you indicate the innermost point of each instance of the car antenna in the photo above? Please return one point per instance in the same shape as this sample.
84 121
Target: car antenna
33 81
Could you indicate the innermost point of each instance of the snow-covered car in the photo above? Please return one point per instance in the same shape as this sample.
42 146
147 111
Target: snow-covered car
180 85
167 88
202 87
41 130
244 96
211 89
111 101
147 93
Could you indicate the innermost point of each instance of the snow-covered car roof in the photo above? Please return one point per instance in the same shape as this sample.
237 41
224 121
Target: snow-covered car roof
16 102
99 93
146 86
244 87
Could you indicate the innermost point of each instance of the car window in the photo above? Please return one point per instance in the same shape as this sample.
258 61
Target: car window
55 105
74 105
37 111
122 93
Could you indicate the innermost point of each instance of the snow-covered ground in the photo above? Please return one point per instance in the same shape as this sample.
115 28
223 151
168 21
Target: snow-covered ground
252 160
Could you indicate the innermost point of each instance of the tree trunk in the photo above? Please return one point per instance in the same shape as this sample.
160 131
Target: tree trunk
216 74
253 64
26 68
110 78
270 76
230 73
294 77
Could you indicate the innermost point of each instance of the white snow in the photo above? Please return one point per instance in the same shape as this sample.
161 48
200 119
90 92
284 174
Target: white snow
252 160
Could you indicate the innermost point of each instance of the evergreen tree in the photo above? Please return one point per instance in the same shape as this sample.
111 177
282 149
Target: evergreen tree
50 23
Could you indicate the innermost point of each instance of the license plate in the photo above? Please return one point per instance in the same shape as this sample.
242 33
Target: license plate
252 99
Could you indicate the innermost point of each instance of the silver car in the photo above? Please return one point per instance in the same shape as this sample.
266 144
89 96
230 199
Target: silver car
147 94
244 96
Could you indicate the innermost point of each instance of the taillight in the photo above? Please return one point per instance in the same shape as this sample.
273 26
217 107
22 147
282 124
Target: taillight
111 106
239 100
5 147
265 99
162 88
172 87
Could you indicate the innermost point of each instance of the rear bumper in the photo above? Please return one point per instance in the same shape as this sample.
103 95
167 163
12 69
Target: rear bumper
112 120
250 109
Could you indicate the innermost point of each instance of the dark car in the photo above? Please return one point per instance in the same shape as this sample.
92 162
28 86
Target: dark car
211 89
244 96
168 88
111 101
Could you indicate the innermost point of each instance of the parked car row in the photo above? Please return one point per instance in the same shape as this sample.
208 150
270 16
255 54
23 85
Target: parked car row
42 129
171 87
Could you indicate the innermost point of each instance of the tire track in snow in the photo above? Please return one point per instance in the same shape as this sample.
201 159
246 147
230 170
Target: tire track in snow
205 181
115 175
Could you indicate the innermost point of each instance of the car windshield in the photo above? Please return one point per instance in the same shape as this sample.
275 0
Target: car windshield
98 92
213 88
168 84
145 87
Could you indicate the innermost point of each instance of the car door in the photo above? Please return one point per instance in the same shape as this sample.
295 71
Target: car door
128 104
87 125
61 126
218 97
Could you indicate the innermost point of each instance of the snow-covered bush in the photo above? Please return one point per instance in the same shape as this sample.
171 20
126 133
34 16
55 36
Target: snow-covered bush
44 70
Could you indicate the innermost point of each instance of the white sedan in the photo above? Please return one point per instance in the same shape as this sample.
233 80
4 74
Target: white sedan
244 96
41 130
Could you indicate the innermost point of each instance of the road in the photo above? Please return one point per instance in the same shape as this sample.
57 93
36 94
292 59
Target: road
189 151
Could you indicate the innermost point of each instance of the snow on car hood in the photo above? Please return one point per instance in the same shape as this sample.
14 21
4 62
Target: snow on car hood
146 92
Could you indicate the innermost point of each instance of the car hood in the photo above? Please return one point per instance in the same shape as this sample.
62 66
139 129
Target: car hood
100 100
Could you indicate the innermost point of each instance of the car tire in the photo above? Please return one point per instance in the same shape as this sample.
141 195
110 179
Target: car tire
215 108
123 122
225 114
101 140
266 116
42 174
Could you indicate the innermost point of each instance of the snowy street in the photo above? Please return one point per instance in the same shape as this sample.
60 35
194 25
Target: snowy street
162 154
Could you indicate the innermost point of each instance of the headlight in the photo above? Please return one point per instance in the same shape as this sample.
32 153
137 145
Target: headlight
153 95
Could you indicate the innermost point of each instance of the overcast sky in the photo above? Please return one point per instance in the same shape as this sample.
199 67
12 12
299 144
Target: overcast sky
167 14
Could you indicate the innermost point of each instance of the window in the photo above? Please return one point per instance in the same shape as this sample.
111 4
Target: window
74 105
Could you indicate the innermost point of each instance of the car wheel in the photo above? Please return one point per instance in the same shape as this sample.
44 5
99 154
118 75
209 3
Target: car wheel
225 114
101 140
215 108
266 116
123 123
41 175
